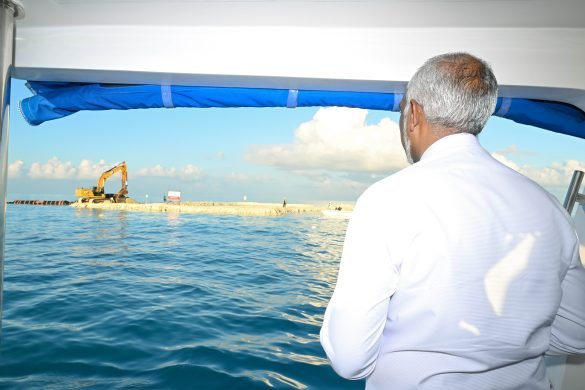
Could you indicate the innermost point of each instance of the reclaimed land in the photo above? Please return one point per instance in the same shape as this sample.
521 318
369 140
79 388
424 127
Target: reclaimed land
235 208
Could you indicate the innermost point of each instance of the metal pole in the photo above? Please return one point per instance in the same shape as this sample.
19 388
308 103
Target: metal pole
573 191
9 11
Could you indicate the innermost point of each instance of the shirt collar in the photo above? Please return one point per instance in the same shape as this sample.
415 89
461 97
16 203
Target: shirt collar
449 144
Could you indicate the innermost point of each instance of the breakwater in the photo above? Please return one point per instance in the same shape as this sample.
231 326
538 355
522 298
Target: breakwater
226 208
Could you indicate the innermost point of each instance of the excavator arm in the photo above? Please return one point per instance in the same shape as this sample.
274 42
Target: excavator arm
107 174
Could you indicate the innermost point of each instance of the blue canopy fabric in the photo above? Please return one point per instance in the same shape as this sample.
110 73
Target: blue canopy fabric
559 117
57 100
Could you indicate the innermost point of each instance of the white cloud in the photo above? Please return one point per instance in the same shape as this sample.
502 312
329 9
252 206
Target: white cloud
90 170
55 169
157 171
241 177
52 169
337 139
15 168
553 175
189 172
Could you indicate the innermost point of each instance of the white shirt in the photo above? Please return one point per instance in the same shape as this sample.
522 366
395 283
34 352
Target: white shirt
457 273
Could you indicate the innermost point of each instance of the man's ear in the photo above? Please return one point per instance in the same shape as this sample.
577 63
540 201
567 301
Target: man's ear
416 113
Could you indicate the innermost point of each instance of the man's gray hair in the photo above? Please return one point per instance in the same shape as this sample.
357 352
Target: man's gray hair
456 90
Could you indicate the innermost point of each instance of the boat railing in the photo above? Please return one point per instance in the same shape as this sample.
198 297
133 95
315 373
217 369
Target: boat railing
573 195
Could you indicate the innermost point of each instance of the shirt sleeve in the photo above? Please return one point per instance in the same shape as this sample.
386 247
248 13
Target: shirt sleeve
356 314
568 328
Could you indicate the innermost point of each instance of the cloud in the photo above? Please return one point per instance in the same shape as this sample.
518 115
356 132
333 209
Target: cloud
553 175
157 171
337 139
55 169
513 150
52 169
15 168
240 177
90 170
189 172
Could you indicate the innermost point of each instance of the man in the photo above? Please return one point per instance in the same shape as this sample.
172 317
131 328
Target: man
457 272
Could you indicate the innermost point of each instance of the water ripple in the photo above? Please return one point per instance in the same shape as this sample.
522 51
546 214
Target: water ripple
116 300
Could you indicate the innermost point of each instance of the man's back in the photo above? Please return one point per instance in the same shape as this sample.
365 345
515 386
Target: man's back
475 256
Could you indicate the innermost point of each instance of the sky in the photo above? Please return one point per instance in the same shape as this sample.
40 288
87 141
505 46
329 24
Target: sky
304 155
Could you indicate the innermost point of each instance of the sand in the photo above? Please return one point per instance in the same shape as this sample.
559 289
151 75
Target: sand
235 208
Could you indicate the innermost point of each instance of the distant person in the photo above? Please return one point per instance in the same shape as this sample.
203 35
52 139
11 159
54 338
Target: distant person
284 203
457 272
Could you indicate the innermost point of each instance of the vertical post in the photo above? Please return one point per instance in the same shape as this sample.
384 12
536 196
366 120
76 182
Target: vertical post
573 191
9 11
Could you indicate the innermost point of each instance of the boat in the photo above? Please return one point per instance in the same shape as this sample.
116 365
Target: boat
291 49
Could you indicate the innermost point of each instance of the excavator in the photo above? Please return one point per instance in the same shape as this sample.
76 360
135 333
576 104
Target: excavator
97 194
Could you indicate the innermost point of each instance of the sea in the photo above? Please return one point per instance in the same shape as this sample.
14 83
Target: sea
102 299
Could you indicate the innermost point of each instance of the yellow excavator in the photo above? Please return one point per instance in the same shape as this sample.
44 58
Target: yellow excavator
97 194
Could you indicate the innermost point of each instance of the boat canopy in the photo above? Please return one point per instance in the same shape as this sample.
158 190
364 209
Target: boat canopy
53 100
105 55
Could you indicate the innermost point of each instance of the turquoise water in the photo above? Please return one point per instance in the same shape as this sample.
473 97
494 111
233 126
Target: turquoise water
107 299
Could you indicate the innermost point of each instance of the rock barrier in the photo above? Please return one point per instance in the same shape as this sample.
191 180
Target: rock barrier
233 208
